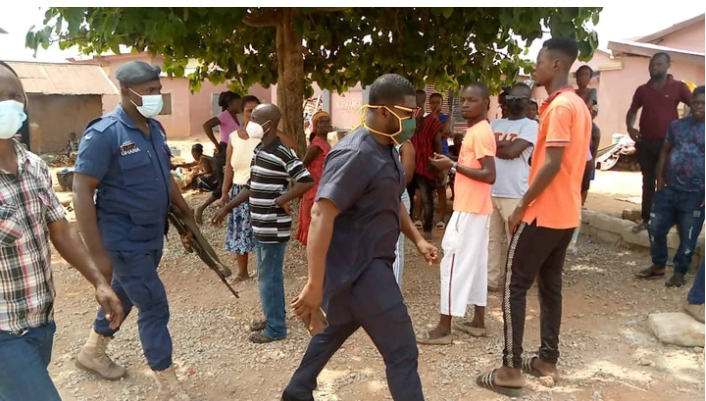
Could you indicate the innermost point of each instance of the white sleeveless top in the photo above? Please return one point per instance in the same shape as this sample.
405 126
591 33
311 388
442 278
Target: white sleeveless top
243 151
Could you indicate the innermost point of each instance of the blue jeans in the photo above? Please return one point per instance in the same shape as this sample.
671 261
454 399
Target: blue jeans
270 278
136 283
672 207
23 365
696 295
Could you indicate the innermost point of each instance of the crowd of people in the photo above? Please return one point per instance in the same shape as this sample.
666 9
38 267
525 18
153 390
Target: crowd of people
357 201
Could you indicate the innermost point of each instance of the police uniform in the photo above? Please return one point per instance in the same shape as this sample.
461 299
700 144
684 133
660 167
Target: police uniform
132 201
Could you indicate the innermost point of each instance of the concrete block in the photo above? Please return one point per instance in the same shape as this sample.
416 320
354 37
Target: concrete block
677 328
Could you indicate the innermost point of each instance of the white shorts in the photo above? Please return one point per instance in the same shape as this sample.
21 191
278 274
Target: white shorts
464 267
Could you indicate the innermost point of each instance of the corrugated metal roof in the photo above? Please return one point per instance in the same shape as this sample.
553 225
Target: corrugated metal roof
63 79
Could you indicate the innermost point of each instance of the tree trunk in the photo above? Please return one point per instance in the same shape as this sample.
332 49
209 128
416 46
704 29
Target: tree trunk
290 83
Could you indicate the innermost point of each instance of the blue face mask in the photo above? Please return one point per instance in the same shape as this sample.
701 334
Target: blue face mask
12 115
151 104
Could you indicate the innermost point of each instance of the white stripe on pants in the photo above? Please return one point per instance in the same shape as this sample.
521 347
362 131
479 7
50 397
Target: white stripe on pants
464 268
398 266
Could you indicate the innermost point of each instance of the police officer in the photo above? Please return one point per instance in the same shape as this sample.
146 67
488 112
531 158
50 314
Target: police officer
123 156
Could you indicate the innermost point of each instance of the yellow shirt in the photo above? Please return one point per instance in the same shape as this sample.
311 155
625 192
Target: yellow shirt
243 151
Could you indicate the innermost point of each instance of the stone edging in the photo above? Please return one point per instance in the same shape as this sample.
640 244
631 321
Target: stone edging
618 231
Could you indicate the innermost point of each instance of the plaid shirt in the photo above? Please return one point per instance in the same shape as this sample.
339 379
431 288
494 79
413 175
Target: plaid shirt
27 206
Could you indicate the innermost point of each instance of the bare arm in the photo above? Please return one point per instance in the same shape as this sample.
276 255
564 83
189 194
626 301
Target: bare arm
208 127
408 157
227 183
178 200
69 245
630 122
294 192
242 196
513 150
311 153
84 188
323 215
71 248
486 173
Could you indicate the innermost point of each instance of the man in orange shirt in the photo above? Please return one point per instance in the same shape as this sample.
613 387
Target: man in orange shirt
464 268
544 221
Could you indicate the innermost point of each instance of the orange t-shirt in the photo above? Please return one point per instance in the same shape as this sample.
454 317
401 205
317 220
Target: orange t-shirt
473 196
564 121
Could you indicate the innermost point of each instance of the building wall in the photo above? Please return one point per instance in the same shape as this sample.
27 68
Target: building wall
616 89
690 38
56 116
189 110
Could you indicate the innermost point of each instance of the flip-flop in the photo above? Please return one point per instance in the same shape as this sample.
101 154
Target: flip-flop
424 338
473 331
487 381
527 368
440 225
650 272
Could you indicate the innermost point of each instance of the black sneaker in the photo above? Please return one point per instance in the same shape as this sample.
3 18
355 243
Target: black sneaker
677 280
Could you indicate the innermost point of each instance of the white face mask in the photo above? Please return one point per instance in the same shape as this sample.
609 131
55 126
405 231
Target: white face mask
12 115
255 130
151 104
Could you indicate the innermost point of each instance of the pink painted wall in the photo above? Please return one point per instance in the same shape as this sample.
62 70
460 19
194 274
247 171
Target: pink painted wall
189 110
690 38
617 87
345 108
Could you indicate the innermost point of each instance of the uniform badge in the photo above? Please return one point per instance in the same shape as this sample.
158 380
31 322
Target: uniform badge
128 148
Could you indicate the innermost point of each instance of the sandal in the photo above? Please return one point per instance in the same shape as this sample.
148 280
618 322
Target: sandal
418 224
487 381
529 369
650 272
424 338
258 325
440 226
468 329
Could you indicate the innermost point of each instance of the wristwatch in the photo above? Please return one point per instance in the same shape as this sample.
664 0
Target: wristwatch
453 168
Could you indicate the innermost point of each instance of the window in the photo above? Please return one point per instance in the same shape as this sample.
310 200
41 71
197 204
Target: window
167 109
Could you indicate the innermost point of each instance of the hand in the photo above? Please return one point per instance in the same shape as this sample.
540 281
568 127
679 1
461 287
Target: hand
516 218
223 201
216 148
427 250
285 206
218 218
441 162
112 307
635 134
309 301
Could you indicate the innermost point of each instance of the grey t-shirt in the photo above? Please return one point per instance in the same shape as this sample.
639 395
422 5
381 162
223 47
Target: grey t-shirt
513 175
365 180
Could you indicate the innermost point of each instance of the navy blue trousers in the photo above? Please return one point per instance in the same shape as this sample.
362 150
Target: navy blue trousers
136 282
374 303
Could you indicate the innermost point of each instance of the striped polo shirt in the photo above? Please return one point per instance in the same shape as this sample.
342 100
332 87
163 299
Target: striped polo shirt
273 167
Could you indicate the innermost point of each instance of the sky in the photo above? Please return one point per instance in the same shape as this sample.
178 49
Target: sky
619 21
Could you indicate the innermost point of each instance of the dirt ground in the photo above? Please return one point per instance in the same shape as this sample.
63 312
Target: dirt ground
607 350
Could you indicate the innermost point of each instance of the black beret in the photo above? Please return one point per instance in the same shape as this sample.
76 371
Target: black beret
137 72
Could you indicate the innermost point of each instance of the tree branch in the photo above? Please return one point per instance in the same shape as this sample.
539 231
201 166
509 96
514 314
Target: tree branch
268 19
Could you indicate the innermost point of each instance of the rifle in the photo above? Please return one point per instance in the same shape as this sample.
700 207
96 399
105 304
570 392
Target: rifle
200 245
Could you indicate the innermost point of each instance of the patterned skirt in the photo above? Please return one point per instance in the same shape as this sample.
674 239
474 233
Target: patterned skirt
239 238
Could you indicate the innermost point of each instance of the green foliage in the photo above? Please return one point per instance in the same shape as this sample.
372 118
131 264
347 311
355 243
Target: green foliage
446 46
